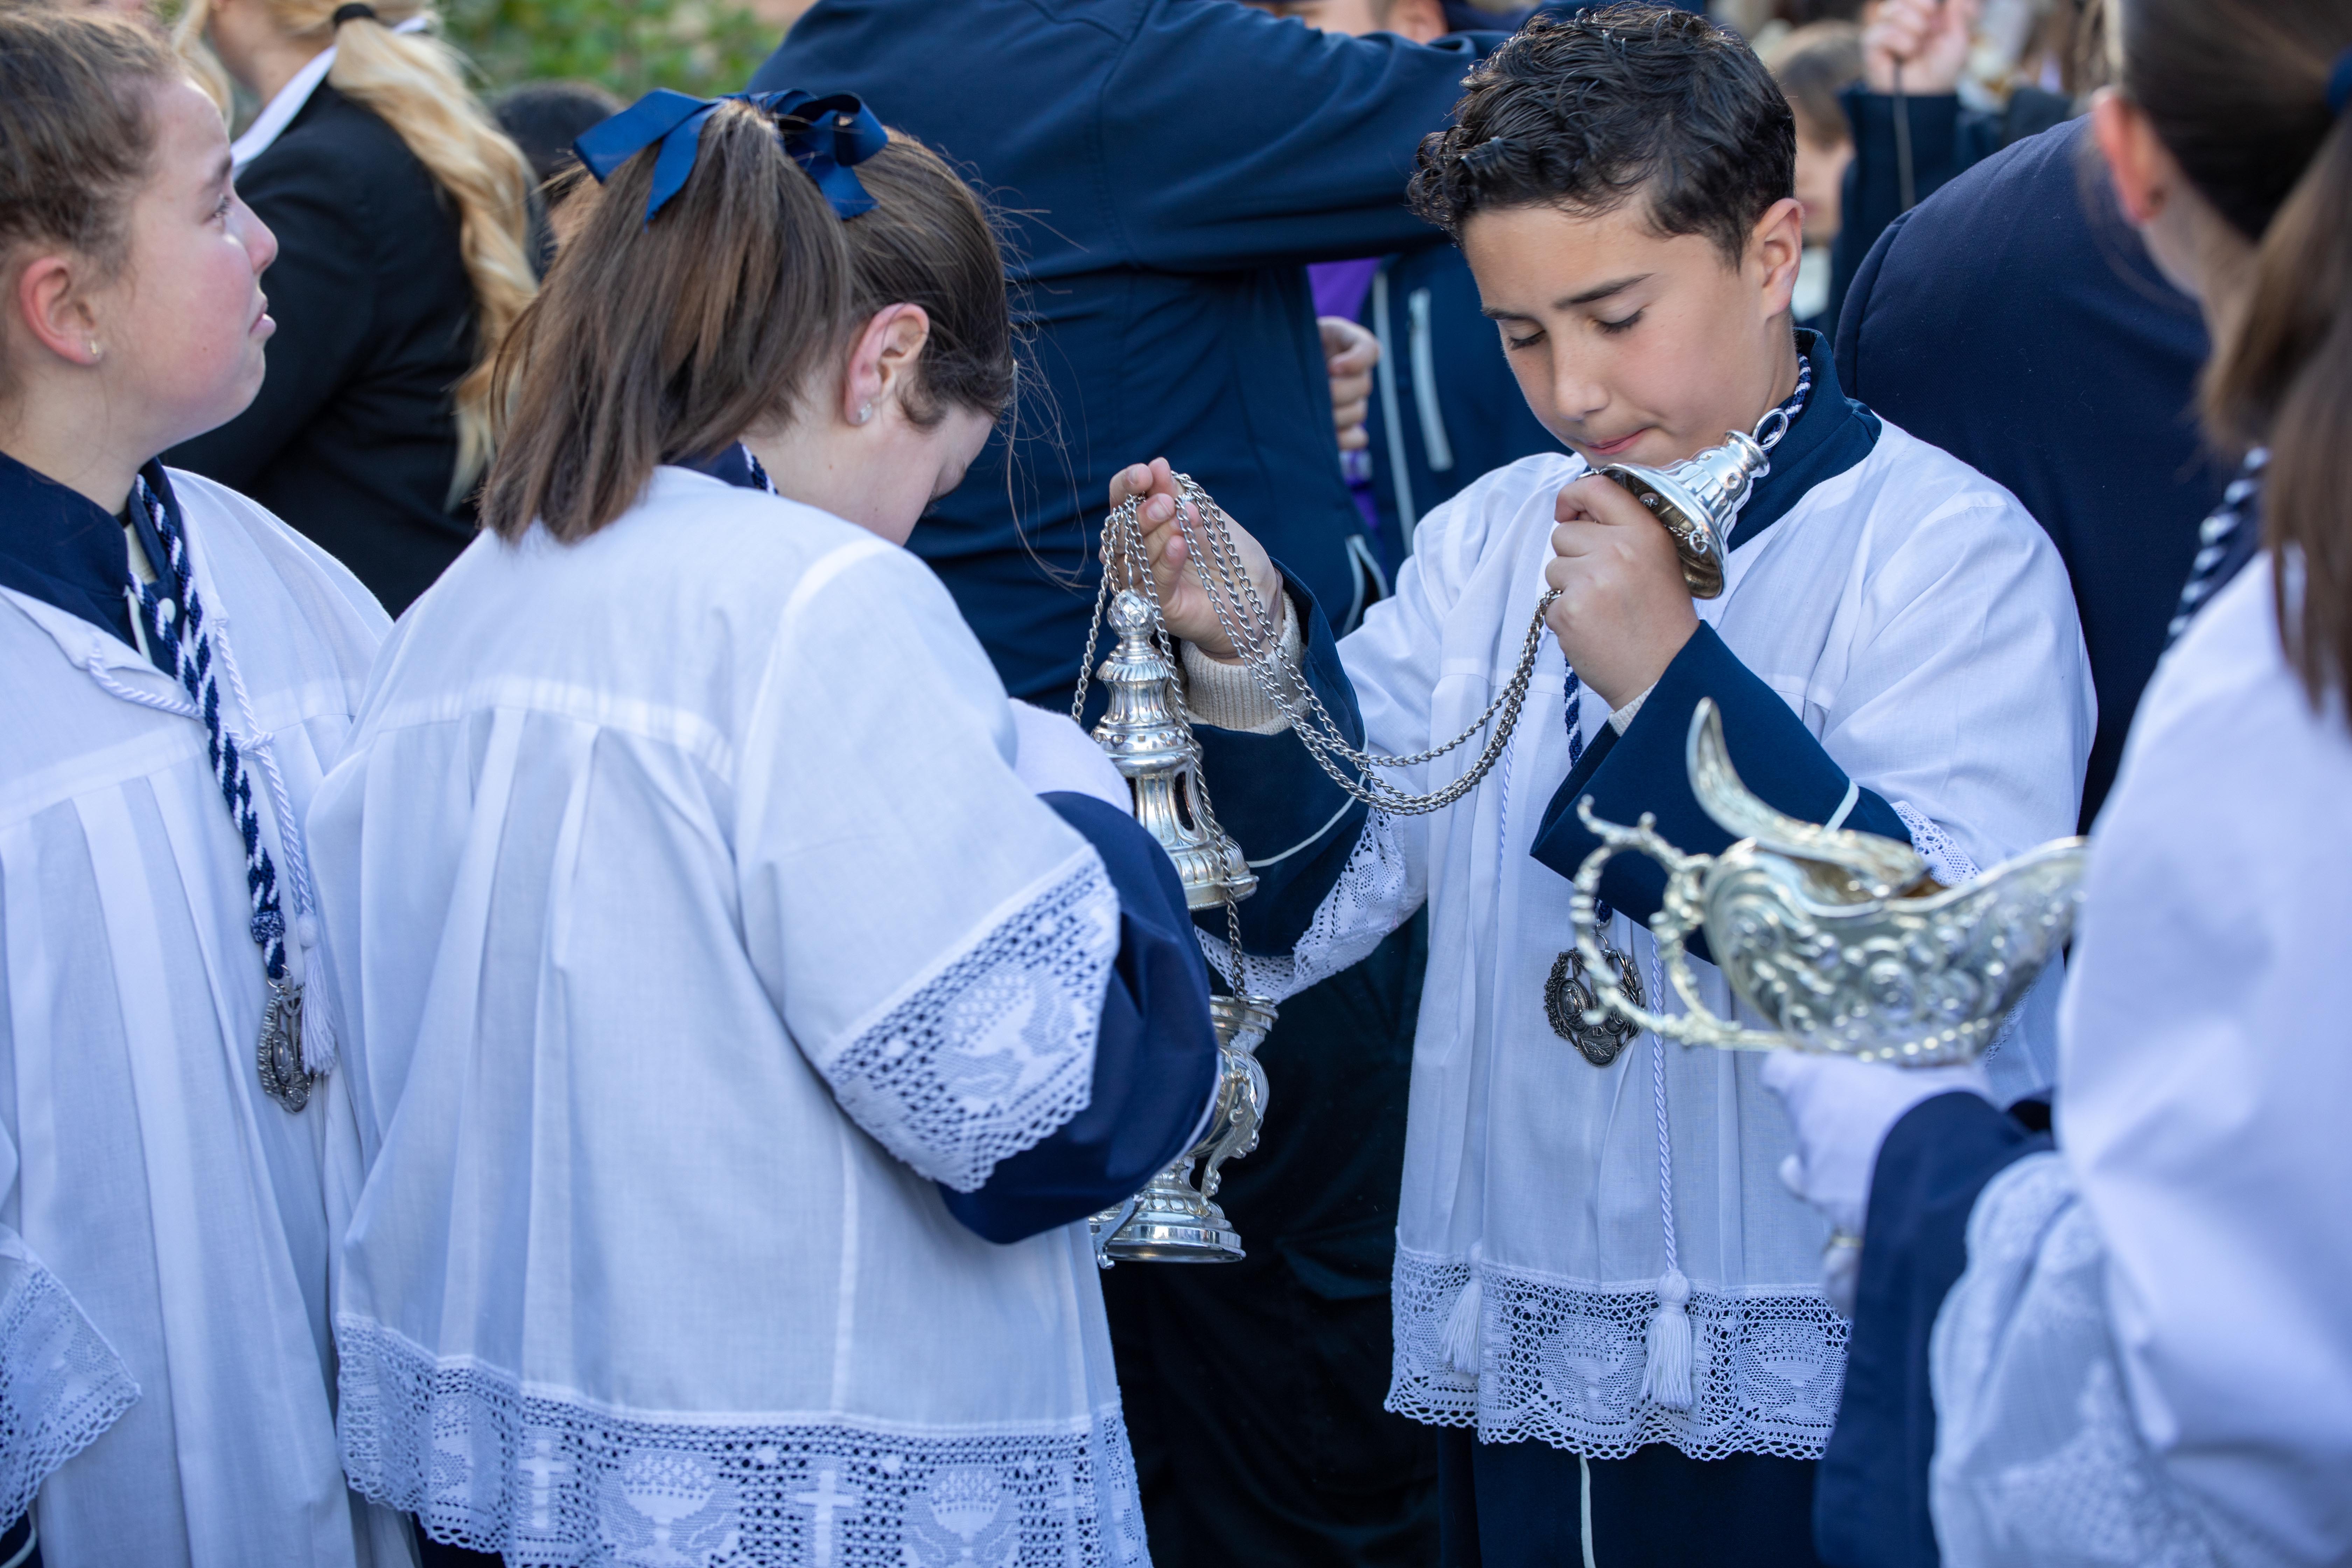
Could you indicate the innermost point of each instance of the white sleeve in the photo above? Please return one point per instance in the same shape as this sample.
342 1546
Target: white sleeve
935 938
61 1384
1393 663
1969 698
1968 709
2039 1462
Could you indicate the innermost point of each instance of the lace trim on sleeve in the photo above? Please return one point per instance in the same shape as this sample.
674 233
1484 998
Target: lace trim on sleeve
994 1050
2038 1459
61 1384
543 1477
1372 899
1945 858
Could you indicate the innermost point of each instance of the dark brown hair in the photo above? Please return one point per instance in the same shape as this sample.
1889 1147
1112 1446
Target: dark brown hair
77 130
2237 91
1581 114
651 341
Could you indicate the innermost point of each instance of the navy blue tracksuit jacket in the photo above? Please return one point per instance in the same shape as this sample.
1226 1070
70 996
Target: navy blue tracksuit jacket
1166 169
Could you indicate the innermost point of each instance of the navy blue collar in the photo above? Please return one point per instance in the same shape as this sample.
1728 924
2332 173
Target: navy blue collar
63 549
1831 434
732 464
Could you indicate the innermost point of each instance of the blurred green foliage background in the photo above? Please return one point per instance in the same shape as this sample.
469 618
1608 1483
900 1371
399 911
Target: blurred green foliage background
702 47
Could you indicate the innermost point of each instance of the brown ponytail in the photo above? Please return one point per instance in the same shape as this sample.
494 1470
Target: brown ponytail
416 84
668 339
2237 91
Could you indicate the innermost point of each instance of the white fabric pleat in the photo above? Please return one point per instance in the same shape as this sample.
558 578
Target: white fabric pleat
156 1195
701 924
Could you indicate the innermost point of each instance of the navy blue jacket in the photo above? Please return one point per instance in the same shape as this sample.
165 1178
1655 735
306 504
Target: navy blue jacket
2030 337
1166 168
1946 139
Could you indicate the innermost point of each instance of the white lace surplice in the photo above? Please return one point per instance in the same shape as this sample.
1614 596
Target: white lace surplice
1920 624
2149 1359
165 1355
705 925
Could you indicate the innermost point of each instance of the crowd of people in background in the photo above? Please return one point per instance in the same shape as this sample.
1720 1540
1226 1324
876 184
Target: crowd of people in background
567 995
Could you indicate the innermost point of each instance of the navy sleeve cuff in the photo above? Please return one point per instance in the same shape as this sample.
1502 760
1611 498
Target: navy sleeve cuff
1296 827
1155 1055
1647 769
1870 1495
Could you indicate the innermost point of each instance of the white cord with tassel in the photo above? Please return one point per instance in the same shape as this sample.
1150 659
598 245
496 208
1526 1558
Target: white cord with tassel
1666 1381
1459 1343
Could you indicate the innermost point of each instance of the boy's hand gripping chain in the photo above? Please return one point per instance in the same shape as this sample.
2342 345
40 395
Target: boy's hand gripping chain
1256 635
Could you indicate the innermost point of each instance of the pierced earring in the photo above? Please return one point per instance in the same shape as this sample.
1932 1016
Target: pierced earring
864 413
95 352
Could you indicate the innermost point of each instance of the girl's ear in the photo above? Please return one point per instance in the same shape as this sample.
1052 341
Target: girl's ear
2142 169
51 306
882 359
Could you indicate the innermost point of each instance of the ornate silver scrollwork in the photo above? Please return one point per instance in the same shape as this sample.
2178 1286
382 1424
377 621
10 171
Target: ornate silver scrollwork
1841 939
1575 1012
1173 1220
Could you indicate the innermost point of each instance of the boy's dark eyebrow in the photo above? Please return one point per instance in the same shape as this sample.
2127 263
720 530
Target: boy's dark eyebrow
1601 291
1597 291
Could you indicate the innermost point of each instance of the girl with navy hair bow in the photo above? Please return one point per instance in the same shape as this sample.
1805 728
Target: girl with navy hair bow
750 1000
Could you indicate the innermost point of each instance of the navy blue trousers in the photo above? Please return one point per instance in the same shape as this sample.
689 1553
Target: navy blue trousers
1521 1505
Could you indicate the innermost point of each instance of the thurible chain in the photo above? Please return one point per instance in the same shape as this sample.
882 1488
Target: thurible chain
1233 597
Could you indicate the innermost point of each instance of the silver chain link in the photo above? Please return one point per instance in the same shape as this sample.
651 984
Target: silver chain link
1255 635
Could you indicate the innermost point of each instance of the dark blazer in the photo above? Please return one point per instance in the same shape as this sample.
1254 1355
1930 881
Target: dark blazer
2029 335
1166 169
1945 140
353 438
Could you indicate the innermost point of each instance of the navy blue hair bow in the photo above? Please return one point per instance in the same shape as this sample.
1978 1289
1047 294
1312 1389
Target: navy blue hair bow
840 131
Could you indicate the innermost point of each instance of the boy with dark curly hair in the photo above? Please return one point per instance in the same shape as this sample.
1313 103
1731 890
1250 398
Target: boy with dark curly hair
1602 1286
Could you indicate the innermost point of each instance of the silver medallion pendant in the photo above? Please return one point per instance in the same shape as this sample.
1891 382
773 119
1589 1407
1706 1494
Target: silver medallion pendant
283 1076
1567 998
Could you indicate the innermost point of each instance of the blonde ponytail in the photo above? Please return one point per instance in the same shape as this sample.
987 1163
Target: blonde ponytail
416 83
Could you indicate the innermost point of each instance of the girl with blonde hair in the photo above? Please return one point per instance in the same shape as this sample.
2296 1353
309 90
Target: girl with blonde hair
402 214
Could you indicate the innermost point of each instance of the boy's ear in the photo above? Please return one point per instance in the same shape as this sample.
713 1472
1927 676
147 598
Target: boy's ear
1776 247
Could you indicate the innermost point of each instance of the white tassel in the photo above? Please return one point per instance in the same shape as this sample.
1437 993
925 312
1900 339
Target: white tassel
1459 1343
318 1028
318 1035
1667 1380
